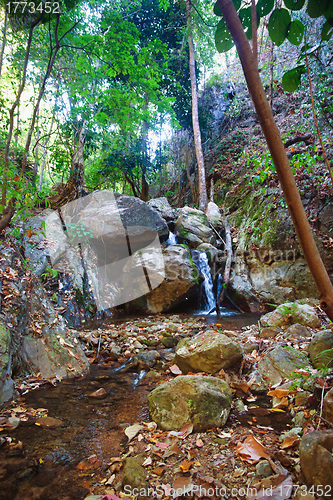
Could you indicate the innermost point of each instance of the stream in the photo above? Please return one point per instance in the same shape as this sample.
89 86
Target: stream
48 465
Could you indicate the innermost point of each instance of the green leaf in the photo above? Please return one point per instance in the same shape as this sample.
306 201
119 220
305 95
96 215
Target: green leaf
294 4
264 7
223 39
317 8
296 32
326 31
217 10
278 25
291 80
246 19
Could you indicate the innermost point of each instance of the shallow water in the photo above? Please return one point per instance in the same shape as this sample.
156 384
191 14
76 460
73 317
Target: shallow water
48 468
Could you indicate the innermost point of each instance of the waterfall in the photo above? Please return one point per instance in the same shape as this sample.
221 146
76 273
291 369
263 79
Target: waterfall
207 301
172 240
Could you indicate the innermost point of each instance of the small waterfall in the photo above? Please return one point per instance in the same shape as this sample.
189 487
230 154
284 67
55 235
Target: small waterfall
172 240
207 301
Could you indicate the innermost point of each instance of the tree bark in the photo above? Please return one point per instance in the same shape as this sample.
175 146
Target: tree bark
3 43
280 159
188 171
203 199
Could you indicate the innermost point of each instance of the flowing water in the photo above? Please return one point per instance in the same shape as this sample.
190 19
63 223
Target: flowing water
207 299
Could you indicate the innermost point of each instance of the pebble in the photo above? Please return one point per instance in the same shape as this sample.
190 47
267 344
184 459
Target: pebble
99 394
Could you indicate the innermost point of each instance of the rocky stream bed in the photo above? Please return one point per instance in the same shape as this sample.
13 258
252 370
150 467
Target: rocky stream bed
93 437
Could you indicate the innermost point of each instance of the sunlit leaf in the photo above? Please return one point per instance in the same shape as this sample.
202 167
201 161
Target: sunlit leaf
291 80
217 10
245 16
278 25
264 7
223 38
296 32
250 450
326 31
132 431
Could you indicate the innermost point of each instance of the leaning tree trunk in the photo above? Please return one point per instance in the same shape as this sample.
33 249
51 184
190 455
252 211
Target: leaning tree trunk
203 199
280 159
77 167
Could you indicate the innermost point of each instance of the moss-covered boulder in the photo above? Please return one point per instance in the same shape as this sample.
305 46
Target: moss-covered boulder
192 227
207 352
320 349
279 364
290 313
315 452
214 215
133 474
202 401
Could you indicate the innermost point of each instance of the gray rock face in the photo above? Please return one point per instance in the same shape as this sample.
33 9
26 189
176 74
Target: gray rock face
207 352
6 382
322 341
191 399
192 227
297 331
279 363
210 250
214 215
181 281
162 206
317 460
290 313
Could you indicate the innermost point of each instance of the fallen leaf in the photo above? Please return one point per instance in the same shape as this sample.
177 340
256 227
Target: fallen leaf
49 422
175 370
111 479
185 466
147 462
132 431
281 393
199 443
181 486
183 433
289 442
163 446
250 450
158 471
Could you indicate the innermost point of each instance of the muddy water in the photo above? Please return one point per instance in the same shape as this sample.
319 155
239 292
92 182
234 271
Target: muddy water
47 468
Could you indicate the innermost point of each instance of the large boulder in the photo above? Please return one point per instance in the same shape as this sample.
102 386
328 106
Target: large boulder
290 313
279 364
316 457
214 215
38 340
320 349
328 406
192 227
190 399
207 352
163 208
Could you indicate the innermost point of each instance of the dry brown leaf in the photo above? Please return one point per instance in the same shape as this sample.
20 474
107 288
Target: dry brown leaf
199 443
281 393
185 466
147 462
158 471
250 450
289 442
182 485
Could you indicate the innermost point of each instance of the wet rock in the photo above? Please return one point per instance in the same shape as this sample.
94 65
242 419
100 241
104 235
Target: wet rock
134 475
214 215
192 227
162 206
269 332
207 352
49 422
99 394
328 406
290 313
181 281
320 349
202 401
169 342
279 363
317 460
210 250
297 331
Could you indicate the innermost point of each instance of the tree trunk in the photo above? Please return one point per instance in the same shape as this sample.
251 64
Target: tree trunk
12 111
3 43
77 174
280 159
203 199
188 171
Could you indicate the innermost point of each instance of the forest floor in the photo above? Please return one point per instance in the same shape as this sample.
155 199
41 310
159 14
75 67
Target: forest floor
255 455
